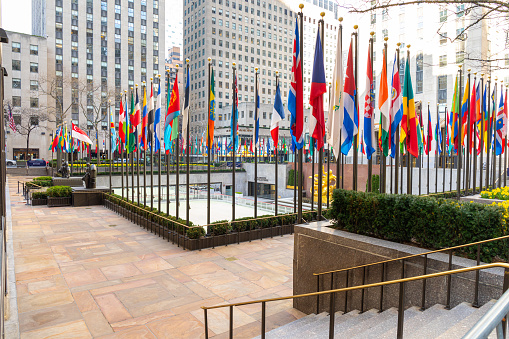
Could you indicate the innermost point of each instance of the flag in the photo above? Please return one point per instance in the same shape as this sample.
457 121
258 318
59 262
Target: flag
455 112
136 122
12 124
121 122
234 121
150 119
113 133
464 114
96 143
212 110
384 107
409 122
500 127
350 120
172 115
185 115
430 133
420 135
336 106
55 140
278 114
369 105
256 129
447 132
318 88
438 135
157 119
132 128
485 117
396 111
296 95
363 151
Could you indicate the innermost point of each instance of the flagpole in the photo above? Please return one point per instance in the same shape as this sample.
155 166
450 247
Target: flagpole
383 169
187 148
150 142
320 151
177 179
312 150
256 152
276 155
234 134
494 128
370 160
396 143
137 142
505 147
468 143
339 157
444 143
109 155
208 145
131 153
483 115
159 150
419 158
300 151
429 149
356 137
437 154
474 185
502 146
122 150
409 164
488 134
460 128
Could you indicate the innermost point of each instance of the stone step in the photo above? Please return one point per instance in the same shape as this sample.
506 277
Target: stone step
294 326
461 328
354 330
322 330
389 323
416 322
434 328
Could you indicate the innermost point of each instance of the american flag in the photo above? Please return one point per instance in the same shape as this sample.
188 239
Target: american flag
12 124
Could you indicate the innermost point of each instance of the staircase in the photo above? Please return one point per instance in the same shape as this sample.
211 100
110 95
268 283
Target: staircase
434 322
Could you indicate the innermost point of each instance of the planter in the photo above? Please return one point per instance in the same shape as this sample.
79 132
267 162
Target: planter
59 201
39 202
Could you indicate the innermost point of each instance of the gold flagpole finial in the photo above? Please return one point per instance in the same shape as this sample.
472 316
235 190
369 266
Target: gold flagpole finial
136 85
209 59
187 60
340 19
322 14
386 38
355 26
468 70
408 46
256 69
372 33
301 6
398 44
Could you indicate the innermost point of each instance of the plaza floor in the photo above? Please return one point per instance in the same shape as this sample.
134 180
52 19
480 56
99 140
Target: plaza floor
87 272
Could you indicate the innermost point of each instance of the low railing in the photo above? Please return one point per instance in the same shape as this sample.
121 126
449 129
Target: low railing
493 319
333 292
384 263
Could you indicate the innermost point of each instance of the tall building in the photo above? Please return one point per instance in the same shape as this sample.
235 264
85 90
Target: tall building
96 50
174 24
25 61
174 66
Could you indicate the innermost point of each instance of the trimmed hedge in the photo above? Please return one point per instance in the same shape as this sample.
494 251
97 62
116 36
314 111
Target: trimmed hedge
59 192
44 178
427 222
42 183
39 195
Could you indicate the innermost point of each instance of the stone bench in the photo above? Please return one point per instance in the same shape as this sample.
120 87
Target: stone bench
73 182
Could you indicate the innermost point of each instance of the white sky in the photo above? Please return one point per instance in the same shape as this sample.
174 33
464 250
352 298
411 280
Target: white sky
17 15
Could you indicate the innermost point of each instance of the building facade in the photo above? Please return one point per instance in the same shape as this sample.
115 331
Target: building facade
25 61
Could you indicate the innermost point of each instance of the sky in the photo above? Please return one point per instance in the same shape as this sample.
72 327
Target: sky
17 15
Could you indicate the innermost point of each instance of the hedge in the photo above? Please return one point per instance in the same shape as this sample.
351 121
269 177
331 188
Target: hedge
59 192
427 222
39 195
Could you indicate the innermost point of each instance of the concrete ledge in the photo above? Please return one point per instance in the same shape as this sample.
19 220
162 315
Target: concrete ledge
31 171
477 198
319 248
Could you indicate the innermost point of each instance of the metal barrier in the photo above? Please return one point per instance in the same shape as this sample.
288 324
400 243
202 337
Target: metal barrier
495 318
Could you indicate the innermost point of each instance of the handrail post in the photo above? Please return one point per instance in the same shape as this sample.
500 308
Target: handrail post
449 282
382 279
332 314
318 296
206 323
401 311
476 292
504 289
263 320
346 292
423 301
231 322
362 292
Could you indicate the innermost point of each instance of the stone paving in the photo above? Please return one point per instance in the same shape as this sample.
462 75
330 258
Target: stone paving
87 272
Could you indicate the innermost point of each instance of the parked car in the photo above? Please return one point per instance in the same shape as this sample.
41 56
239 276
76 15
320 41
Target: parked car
10 162
36 163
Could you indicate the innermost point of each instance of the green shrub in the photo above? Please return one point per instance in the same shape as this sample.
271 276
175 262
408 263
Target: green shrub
40 183
44 178
292 174
427 222
59 191
219 227
195 232
375 183
39 195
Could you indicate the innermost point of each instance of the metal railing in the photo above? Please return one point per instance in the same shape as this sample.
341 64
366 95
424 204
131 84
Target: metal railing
385 263
3 276
333 292
493 319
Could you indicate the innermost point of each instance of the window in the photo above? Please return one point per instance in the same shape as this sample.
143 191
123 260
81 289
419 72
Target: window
443 38
507 60
460 56
443 60
34 120
442 89
16 101
16 65
34 50
373 18
419 73
443 15
16 83
34 103
16 47
460 10
34 67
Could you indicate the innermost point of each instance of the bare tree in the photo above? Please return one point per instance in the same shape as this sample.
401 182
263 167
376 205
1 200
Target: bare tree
53 87
31 119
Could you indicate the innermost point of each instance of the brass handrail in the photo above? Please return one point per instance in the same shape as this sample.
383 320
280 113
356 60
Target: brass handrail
414 255
359 287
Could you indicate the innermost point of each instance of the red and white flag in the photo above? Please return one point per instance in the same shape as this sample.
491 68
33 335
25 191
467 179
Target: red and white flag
12 124
80 135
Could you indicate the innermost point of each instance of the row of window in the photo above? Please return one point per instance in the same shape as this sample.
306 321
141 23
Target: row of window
16 48
16 102
16 66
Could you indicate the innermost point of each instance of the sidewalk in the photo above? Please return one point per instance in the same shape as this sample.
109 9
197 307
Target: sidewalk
87 272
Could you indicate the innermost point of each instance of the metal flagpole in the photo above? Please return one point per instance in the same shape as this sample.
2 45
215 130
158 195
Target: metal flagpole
300 151
429 149
468 143
109 154
396 143
494 128
444 143
356 137
481 107
488 134
460 128
209 146
409 164
122 146
339 157
312 146
276 153
502 154
144 94
159 154
419 158
150 143
234 133
320 151
474 185
177 177
437 155
383 168
370 160
294 178
505 147
188 207
256 152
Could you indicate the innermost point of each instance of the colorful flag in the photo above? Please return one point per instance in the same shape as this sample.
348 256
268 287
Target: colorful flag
455 114
420 135
384 107
500 127
438 136
430 133
172 115
369 108
136 121
234 121
447 132
212 110
350 125
121 122
278 114
464 114
318 88
113 133
157 118
336 106
396 112
150 119
409 122
296 95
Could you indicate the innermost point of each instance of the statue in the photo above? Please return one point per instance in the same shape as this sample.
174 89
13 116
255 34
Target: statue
90 176
64 170
331 183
